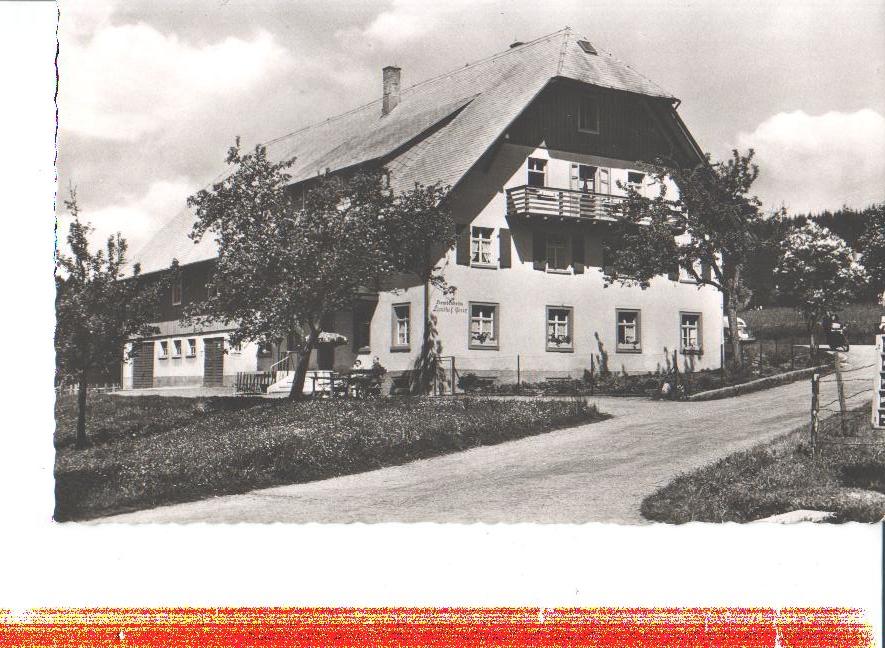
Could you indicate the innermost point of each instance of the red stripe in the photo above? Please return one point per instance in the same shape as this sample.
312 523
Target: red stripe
333 627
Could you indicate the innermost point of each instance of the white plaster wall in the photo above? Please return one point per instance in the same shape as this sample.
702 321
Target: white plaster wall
185 370
523 293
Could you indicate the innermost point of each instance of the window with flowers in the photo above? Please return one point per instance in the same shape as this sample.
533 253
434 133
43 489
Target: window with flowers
560 336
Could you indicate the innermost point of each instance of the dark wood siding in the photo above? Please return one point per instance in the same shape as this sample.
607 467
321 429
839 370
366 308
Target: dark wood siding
194 279
143 365
213 362
326 352
631 127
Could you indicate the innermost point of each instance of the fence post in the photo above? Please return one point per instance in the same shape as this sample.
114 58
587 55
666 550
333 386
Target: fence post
792 354
453 376
815 390
840 388
675 375
518 375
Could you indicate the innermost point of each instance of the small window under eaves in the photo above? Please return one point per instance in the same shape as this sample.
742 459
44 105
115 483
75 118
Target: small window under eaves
587 47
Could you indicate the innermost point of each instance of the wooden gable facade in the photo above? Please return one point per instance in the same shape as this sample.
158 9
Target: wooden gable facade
630 126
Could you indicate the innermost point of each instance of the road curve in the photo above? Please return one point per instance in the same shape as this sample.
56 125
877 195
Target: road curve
592 473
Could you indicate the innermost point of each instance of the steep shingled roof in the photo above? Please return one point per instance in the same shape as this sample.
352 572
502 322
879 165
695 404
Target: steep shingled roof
436 133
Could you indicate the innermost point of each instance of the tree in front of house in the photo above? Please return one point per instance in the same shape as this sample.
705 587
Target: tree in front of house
819 271
286 262
97 310
707 231
418 230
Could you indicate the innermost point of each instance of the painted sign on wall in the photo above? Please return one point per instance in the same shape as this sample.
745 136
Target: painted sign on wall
449 306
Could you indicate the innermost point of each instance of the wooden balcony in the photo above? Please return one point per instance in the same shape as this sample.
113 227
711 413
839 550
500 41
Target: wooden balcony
546 203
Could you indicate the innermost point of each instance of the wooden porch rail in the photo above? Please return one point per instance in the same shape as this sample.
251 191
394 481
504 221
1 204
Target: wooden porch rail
546 203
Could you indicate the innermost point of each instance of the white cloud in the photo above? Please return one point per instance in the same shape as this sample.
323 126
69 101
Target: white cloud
408 20
82 19
137 218
123 82
816 162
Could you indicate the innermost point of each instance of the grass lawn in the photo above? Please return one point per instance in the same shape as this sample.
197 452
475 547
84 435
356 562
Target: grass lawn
847 478
153 450
785 321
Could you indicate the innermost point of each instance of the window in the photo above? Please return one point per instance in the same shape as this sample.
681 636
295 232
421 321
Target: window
690 332
164 350
587 47
176 293
176 348
402 326
586 177
192 347
557 254
481 245
537 172
559 329
629 333
583 177
483 326
635 178
588 115
236 349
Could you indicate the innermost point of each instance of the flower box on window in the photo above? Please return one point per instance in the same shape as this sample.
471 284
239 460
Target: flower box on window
690 333
629 333
560 333
483 332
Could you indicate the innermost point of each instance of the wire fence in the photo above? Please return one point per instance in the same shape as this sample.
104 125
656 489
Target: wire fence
841 408
780 354
69 389
665 373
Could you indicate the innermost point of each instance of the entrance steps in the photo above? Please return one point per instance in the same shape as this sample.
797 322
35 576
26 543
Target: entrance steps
317 381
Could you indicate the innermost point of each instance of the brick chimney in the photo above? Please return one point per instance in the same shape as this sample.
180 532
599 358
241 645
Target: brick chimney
390 84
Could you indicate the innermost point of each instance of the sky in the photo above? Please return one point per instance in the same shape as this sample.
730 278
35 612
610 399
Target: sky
153 92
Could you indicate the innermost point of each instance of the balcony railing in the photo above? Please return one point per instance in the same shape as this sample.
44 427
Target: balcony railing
549 203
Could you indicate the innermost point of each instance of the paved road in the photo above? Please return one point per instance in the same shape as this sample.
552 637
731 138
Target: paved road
598 472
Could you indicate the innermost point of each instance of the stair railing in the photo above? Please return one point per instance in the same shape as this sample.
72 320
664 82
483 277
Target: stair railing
284 364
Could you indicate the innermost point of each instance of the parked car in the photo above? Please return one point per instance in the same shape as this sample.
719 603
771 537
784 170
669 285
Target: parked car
744 333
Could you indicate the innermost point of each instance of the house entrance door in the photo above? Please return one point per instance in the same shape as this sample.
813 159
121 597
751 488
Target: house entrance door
213 362
143 365
325 357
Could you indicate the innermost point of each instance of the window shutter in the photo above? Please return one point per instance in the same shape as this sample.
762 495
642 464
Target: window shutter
462 247
604 183
504 252
574 179
578 253
539 251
